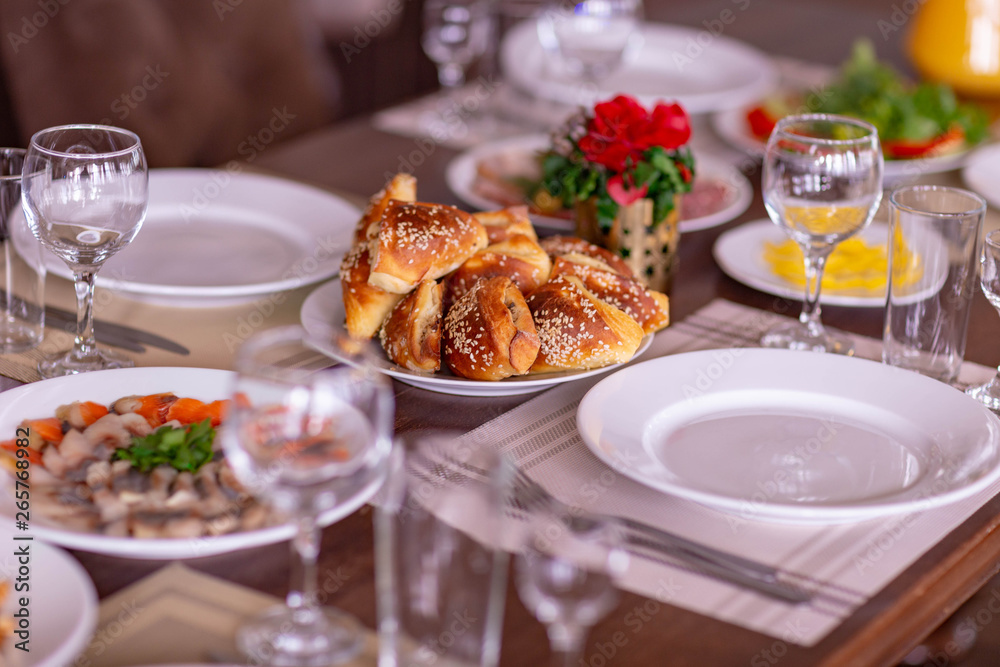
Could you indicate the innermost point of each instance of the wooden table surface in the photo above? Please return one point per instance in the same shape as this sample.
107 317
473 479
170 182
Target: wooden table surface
355 158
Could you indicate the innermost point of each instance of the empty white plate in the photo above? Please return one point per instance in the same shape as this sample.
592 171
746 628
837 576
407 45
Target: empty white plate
791 436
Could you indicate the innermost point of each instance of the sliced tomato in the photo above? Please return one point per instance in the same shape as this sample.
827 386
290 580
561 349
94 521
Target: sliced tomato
907 149
761 123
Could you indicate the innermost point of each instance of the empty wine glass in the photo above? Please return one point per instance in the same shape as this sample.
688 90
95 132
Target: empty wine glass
989 279
455 34
565 575
307 442
590 37
822 183
85 190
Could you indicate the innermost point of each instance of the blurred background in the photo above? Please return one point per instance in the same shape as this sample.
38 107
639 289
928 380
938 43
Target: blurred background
195 78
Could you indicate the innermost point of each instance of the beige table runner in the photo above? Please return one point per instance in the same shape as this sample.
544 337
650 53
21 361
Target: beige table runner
844 565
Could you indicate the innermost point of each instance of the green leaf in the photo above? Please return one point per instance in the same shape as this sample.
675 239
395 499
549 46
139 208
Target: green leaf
186 449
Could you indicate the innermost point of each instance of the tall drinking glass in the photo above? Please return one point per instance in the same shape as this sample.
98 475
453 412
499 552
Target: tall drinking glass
590 37
822 183
85 190
308 443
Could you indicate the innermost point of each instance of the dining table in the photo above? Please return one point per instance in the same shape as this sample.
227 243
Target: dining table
352 159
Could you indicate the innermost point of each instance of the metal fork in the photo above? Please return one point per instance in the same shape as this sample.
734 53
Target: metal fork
765 579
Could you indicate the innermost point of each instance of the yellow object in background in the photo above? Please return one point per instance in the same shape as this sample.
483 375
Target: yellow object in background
958 42
818 219
854 266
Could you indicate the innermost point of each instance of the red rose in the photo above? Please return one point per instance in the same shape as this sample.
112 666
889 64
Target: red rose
622 130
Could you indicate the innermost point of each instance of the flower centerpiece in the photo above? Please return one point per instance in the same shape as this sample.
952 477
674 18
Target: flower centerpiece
622 169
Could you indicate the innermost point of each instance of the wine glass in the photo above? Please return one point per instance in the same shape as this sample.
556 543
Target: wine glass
456 33
565 574
85 190
989 279
590 37
307 442
822 183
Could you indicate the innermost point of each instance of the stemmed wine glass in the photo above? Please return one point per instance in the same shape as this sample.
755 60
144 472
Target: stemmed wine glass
565 574
989 279
307 442
822 183
85 190
590 37
456 33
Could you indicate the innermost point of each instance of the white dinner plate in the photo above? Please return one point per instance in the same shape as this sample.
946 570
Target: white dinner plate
40 399
982 173
670 64
63 607
788 436
214 236
732 126
740 254
323 312
461 176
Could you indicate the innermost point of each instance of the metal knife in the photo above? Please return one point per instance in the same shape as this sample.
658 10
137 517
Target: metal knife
114 334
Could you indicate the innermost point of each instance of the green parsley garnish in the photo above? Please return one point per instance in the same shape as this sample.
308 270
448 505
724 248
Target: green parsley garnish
186 449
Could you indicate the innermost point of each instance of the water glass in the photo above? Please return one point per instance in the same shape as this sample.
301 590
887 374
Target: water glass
440 575
934 237
22 270
590 38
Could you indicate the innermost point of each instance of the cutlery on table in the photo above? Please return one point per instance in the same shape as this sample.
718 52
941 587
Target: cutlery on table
119 335
764 579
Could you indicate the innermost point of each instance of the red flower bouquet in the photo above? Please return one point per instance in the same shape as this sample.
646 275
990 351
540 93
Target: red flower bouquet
619 153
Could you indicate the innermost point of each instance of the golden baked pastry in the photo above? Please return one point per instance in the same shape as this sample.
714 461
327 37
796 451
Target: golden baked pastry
562 245
577 330
518 257
401 187
506 222
651 309
418 241
489 333
365 306
411 334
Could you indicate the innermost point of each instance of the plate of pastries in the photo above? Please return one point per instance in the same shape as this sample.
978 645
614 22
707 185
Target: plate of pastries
476 303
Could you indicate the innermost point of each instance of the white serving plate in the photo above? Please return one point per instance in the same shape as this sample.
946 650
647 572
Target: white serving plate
323 312
40 399
982 173
63 603
214 236
786 436
740 254
668 65
460 176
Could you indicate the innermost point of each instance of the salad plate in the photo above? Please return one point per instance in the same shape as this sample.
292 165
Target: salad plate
63 604
668 63
218 236
732 126
40 399
323 312
786 436
721 192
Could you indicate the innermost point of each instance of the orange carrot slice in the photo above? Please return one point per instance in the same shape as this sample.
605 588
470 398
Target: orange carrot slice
154 408
91 412
34 456
192 411
49 429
